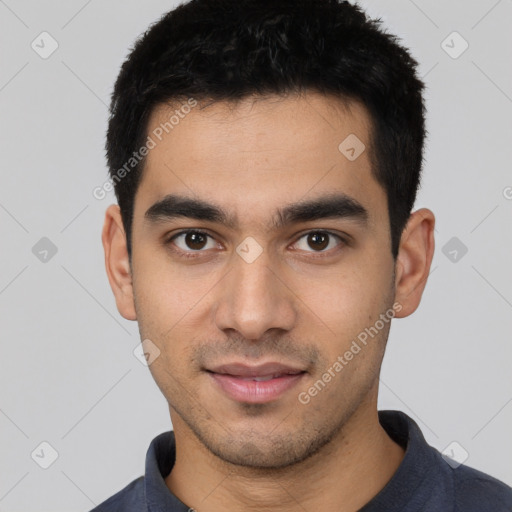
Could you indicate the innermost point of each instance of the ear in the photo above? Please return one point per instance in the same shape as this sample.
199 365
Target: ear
413 261
117 262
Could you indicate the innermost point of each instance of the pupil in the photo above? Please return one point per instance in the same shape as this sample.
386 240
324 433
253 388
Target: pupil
195 240
320 240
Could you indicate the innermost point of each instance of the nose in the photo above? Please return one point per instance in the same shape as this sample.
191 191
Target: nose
255 298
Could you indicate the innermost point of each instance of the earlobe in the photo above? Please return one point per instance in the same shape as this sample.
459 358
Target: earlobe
117 262
414 260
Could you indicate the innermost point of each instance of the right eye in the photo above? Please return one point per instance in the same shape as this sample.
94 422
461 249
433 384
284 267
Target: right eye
191 241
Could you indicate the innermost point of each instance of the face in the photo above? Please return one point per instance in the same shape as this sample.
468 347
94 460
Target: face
252 293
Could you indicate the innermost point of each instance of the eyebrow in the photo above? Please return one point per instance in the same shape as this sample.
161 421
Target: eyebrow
332 206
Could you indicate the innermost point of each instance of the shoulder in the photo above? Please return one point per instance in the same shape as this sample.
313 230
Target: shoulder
130 498
475 490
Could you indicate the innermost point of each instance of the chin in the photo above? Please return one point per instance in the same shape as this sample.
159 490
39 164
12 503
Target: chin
263 449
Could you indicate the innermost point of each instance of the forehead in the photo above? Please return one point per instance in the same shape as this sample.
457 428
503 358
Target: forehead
260 152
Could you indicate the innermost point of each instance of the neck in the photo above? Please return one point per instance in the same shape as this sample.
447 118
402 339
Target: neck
344 475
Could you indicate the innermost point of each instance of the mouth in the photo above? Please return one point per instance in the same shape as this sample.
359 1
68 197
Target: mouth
255 384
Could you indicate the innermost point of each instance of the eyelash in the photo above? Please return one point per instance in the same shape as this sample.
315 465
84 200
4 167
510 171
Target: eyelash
195 254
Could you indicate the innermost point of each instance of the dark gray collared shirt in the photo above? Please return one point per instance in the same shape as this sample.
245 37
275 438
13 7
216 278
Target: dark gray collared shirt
424 482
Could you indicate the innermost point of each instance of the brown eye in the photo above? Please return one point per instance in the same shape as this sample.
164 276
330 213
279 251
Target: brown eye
195 241
190 241
318 241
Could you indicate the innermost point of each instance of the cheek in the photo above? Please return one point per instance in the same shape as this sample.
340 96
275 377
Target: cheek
165 293
172 305
346 301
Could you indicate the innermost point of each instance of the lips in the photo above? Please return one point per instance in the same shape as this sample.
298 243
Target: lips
255 384
261 372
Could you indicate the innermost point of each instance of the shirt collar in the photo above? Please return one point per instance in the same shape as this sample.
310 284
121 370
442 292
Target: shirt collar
414 477
160 459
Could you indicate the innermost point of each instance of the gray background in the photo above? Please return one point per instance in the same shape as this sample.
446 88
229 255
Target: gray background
68 374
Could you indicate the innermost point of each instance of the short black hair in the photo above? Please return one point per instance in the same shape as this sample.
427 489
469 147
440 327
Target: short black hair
228 50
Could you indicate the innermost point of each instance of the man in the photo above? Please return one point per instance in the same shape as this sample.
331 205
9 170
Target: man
266 157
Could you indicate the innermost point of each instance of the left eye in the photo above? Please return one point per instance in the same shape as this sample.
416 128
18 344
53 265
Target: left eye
319 241
193 241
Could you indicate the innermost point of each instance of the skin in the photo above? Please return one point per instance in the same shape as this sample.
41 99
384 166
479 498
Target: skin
296 303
